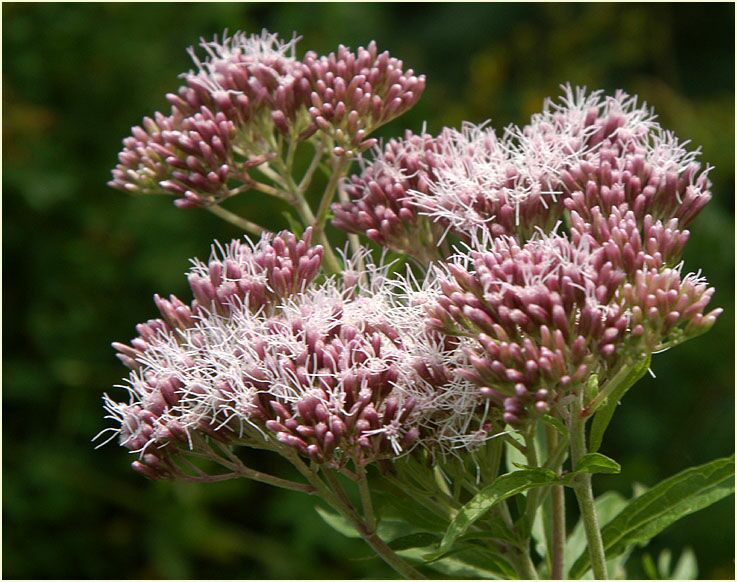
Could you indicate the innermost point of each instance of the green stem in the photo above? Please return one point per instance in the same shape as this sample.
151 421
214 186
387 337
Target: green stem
266 170
295 194
527 569
314 164
585 496
239 469
345 507
533 496
265 188
558 515
613 383
236 220
368 508
339 168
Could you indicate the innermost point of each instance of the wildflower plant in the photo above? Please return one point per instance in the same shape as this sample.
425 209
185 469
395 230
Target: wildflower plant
442 402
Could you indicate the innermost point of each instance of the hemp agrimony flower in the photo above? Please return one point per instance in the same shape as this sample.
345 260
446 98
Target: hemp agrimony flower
545 273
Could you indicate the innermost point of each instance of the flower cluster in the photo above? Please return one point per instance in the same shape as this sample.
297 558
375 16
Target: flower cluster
586 150
543 316
354 93
263 356
249 95
379 205
572 230
547 311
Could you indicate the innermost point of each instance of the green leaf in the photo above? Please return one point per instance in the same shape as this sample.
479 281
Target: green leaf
415 540
556 424
667 502
538 533
624 380
596 463
338 523
393 504
592 387
513 456
467 563
502 488
496 530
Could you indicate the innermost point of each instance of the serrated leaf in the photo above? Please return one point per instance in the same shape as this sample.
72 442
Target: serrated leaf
390 505
502 488
592 463
662 505
605 412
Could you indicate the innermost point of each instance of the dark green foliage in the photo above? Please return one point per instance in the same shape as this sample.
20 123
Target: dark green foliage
81 261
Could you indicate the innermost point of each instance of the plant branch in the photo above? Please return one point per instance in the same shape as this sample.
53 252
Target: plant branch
370 537
339 168
236 220
339 501
314 164
585 496
558 509
261 477
368 508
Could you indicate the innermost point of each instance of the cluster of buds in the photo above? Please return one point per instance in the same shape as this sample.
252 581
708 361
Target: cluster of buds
651 245
354 93
585 151
335 373
255 275
245 77
667 308
248 96
654 177
542 317
259 276
379 204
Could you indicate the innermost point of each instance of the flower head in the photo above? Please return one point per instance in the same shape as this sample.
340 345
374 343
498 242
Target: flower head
333 372
354 93
380 204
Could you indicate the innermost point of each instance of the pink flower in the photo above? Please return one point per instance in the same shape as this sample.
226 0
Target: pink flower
354 93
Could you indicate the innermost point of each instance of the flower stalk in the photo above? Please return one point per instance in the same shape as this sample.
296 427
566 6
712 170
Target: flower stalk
556 548
585 497
236 220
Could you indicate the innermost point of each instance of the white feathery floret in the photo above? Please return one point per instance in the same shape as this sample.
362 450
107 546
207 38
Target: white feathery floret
243 50
472 163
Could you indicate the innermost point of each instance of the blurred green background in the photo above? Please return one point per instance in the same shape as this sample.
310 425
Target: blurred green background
81 261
